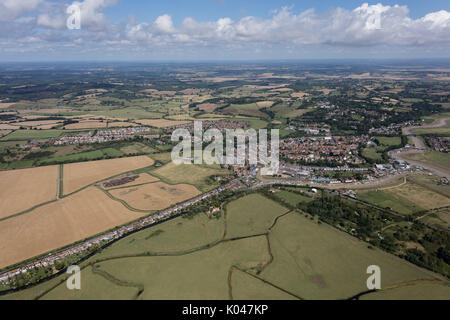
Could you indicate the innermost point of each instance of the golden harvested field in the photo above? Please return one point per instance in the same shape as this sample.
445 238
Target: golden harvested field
160 123
264 104
79 175
40 124
121 124
5 105
86 125
299 94
208 107
282 90
4 132
22 189
143 178
60 223
6 126
155 196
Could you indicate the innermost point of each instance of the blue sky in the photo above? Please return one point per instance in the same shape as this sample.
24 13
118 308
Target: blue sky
235 9
32 30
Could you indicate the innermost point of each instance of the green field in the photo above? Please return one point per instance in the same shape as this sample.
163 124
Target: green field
389 141
407 198
437 158
250 109
33 134
137 148
253 214
319 262
375 153
413 291
265 253
197 175
386 199
83 156
438 131
371 153
292 198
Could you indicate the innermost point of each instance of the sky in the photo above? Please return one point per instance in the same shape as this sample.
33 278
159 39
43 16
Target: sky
199 30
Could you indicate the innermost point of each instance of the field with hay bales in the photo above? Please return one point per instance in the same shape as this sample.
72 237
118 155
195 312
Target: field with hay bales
79 175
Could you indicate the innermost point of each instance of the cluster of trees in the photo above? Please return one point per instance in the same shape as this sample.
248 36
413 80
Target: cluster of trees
340 212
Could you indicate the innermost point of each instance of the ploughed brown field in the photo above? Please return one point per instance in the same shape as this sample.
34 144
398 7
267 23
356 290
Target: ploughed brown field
23 189
79 175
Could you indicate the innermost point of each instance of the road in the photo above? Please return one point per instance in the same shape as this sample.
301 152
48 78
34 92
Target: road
422 148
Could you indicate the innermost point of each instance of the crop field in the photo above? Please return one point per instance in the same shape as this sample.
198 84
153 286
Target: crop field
439 159
7 126
208 107
104 289
319 262
264 104
279 256
292 198
129 113
412 291
143 178
196 175
60 223
407 198
389 141
430 182
155 196
79 175
246 287
4 132
244 109
199 275
161 123
386 199
89 124
43 124
22 189
191 233
439 131
32 134
82 156
137 148
253 214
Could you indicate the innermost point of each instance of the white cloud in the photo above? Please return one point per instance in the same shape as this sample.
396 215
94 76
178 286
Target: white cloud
11 9
57 22
365 26
164 23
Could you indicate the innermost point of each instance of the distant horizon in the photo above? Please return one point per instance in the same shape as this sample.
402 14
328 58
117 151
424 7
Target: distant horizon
292 60
224 30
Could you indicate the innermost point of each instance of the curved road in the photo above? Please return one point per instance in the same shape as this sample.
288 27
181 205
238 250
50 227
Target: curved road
421 148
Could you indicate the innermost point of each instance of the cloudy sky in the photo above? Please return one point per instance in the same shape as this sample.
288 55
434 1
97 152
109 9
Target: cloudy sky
36 30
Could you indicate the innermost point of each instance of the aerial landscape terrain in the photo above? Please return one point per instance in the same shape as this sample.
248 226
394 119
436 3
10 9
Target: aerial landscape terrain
87 178
226 151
